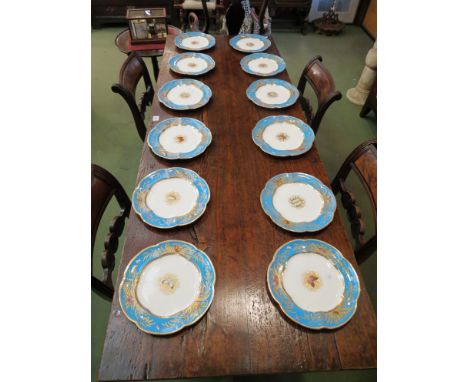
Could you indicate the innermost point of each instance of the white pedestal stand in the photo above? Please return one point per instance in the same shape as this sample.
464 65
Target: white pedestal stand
358 94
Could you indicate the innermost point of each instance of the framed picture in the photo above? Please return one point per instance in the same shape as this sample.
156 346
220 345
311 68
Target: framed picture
346 9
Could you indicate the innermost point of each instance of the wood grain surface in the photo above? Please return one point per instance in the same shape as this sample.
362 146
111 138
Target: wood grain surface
244 332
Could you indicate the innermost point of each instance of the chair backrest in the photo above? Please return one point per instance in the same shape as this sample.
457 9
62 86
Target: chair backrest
206 16
133 69
234 17
194 22
323 85
103 187
261 16
363 162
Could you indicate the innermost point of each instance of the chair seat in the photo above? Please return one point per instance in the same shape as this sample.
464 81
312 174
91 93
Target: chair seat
197 4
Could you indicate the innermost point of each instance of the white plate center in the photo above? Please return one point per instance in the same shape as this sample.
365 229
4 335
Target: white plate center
298 202
185 94
313 282
180 139
283 136
263 65
195 42
168 285
250 43
273 94
191 64
172 197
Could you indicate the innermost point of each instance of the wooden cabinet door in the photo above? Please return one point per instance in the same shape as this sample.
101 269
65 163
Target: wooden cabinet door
370 19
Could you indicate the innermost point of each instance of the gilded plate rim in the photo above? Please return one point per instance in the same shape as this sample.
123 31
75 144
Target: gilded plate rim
200 315
173 63
166 87
324 219
294 308
153 138
250 92
236 38
261 125
279 60
181 36
200 208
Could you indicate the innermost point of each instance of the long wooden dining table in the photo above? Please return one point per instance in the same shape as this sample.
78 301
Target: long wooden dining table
244 331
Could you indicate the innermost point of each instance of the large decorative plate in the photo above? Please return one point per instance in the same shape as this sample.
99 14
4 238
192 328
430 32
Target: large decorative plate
195 41
313 284
272 93
283 135
179 138
167 287
184 94
298 202
171 197
250 43
192 64
263 64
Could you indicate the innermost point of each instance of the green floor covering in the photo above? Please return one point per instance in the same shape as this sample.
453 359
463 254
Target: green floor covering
116 146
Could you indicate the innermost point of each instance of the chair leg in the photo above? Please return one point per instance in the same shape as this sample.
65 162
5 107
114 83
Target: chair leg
365 110
366 250
101 289
183 19
154 60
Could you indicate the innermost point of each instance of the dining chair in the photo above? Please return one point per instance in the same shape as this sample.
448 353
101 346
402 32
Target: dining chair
132 71
103 187
261 16
193 20
363 162
234 17
323 85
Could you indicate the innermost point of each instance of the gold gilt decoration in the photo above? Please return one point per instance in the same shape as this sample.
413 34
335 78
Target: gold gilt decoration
144 319
333 318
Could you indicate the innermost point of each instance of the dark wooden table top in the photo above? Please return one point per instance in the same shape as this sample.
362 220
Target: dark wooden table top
244 332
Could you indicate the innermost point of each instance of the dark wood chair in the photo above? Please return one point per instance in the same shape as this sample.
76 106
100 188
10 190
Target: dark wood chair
103 187
321 81
133 69
234 17
261 16
194 23
210 10
363 161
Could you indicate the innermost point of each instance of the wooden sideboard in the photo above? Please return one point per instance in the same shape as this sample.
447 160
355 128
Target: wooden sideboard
114 11
286 10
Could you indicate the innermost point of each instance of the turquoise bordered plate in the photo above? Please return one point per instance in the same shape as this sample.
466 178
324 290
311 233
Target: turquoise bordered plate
255 56
145 185
168 86
143 318
332 319
175 59
257 135
266 42
182 36
326 215
158 149
254 86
